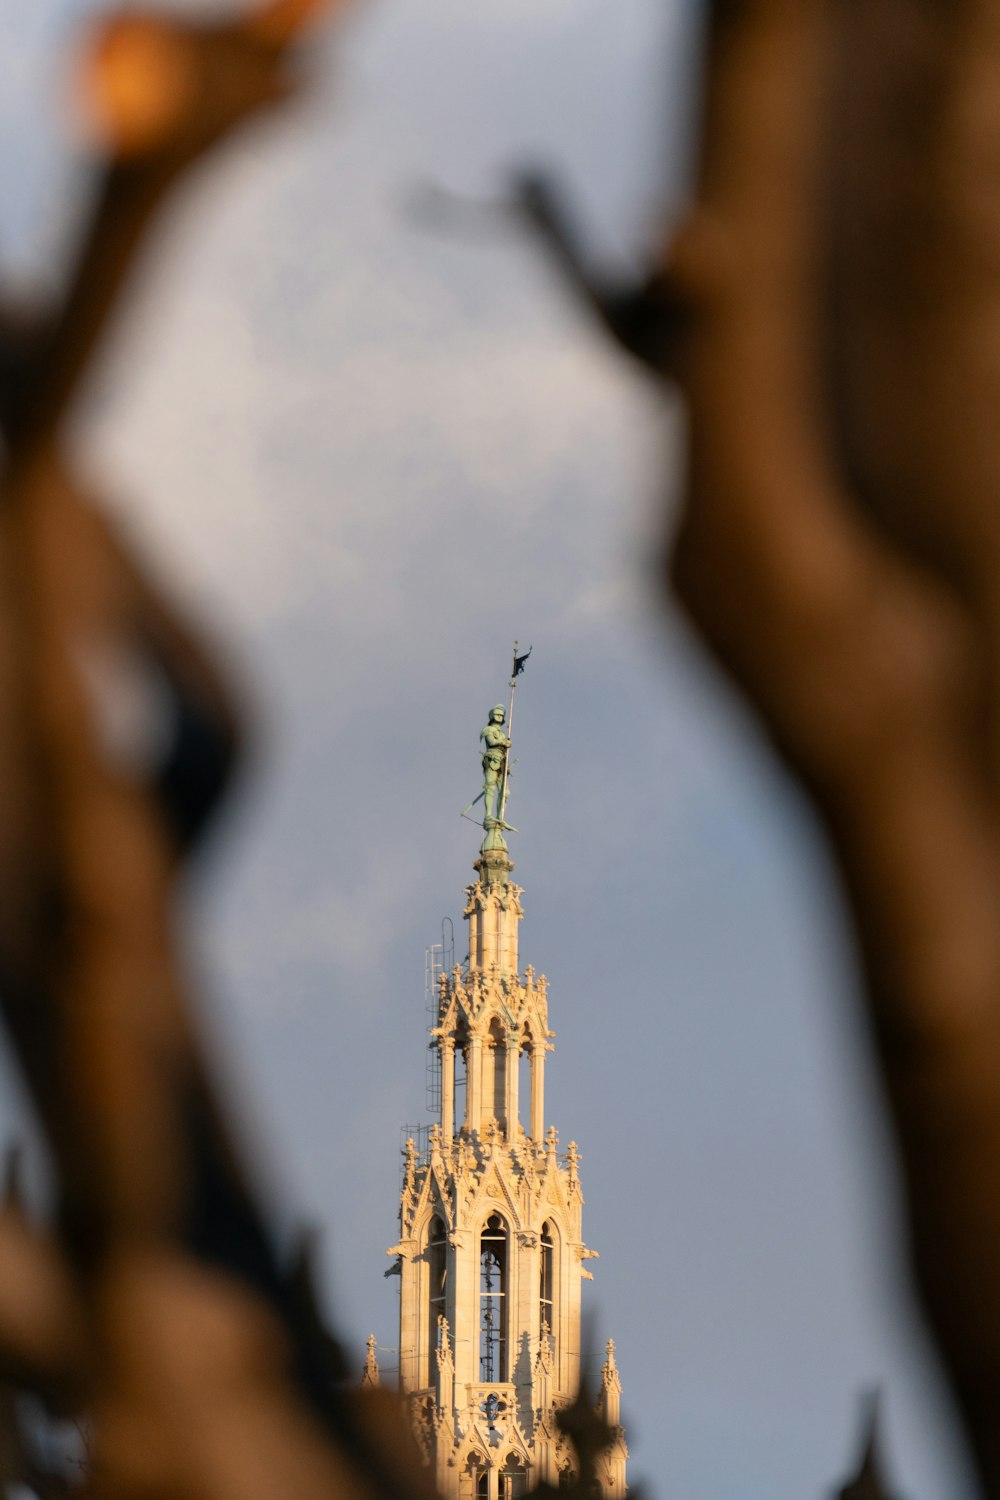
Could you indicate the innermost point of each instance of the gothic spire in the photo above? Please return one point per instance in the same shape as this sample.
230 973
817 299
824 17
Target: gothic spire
491 1255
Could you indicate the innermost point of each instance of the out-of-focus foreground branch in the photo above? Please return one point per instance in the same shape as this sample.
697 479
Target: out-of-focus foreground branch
155 1311
155 1307
835 327
835 548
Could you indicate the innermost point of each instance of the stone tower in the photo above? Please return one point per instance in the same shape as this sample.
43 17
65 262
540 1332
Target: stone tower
491 1255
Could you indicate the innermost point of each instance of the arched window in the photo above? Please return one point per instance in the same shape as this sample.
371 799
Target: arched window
547 1281
493 1300
513 1479
437 1268
476 1481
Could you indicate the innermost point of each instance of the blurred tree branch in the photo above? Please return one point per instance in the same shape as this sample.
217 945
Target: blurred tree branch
831 311
157 1304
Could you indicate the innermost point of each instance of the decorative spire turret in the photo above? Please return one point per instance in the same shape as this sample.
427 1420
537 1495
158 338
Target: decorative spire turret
612 1460
493 911
609 1401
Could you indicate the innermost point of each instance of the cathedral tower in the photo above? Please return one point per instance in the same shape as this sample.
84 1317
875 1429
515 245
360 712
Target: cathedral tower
491 1254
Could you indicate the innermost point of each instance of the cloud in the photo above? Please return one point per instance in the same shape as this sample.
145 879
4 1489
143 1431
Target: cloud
342 928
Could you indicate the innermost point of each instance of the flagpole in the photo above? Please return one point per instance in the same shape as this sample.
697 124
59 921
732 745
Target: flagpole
510 736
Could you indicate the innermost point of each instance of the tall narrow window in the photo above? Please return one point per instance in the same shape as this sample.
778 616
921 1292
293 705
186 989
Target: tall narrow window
496 1095
546 1281
524 1085
461 1070
476 1478
437 1257
485 1086
492 1300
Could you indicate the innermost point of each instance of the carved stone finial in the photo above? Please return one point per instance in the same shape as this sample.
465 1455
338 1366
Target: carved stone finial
610 1394
409 1165
370 1379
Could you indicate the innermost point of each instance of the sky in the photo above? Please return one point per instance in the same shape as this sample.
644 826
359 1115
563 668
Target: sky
368 454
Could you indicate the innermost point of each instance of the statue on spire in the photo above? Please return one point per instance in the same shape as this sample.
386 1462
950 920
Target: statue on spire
497 748
496 766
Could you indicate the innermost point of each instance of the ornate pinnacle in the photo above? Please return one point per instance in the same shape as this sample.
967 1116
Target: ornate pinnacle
444 1341
410 1163
370 1378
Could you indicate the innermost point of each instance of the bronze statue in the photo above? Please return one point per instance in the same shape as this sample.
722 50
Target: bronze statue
497 744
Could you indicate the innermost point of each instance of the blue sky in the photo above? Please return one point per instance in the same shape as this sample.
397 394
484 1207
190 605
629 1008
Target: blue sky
370 456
